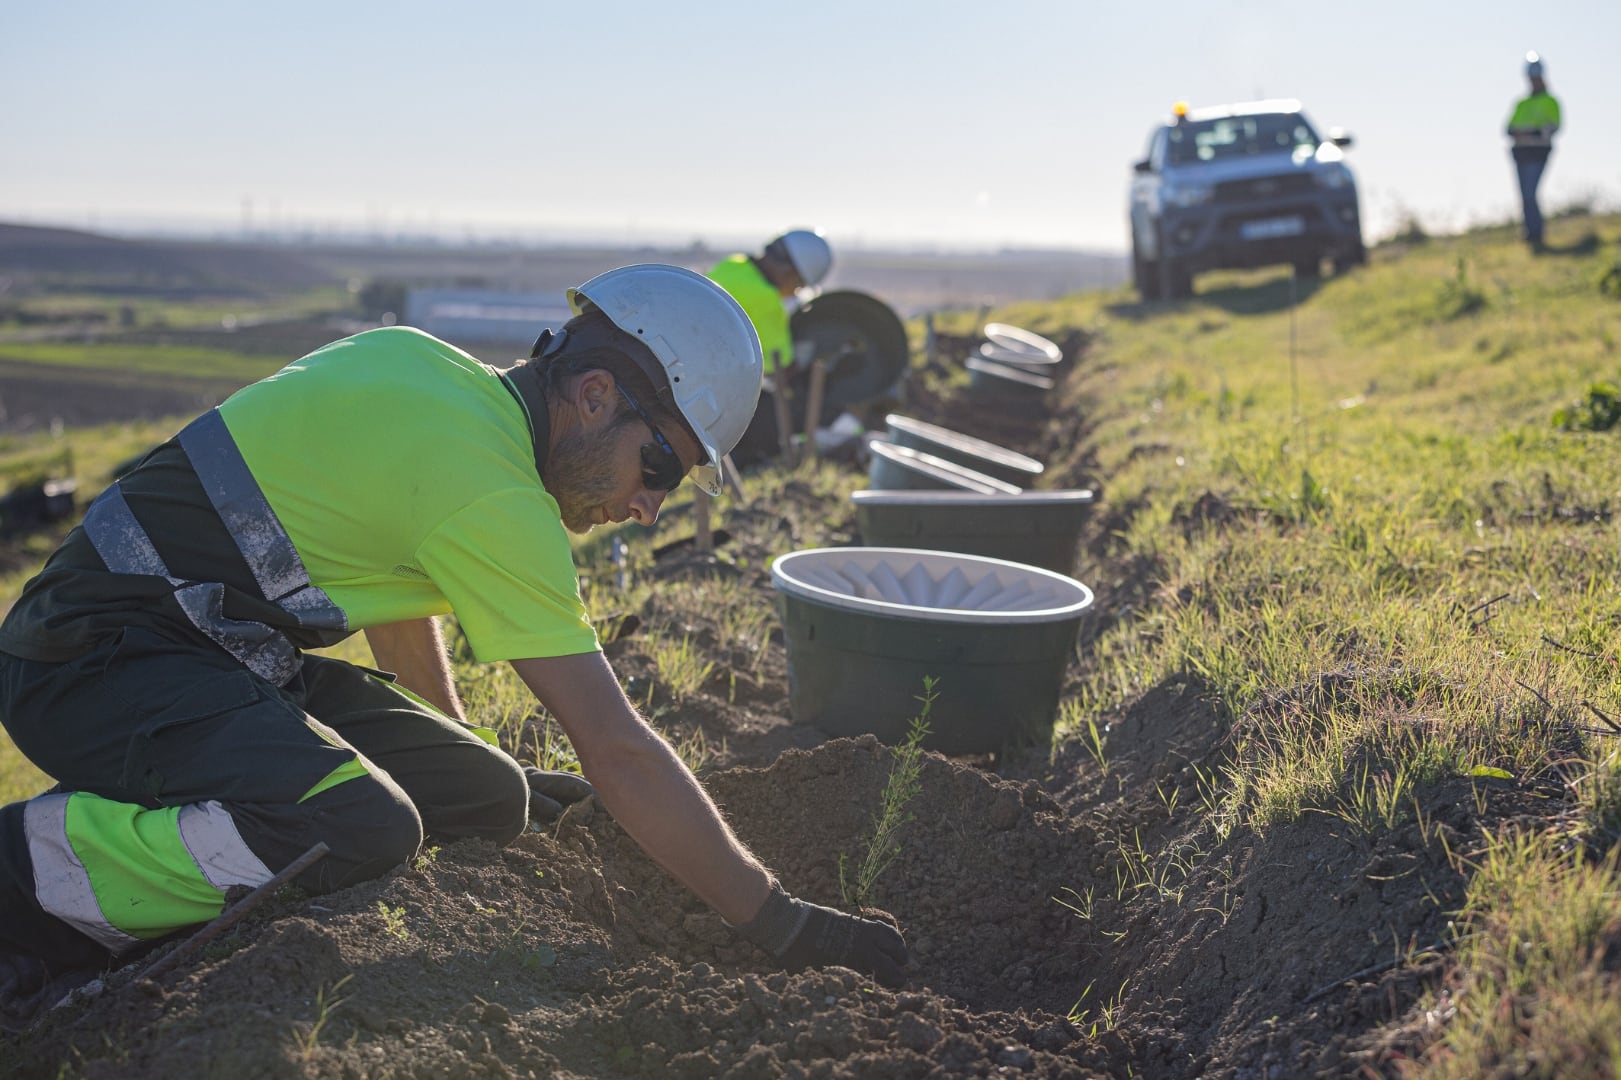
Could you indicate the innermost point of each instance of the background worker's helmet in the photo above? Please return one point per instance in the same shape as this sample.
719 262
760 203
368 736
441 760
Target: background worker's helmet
808 252
1533 65
706 344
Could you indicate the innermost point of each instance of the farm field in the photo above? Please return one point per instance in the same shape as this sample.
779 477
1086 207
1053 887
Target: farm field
1333 791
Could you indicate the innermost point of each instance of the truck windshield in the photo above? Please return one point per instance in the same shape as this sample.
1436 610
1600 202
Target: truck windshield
1239 136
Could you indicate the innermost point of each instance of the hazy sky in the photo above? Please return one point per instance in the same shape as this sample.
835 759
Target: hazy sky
952 125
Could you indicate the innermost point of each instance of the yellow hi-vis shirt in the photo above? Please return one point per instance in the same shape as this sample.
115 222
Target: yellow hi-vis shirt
1535 120
403 472
761 301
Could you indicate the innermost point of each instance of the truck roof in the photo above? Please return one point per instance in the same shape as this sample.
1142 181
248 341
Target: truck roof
1244 108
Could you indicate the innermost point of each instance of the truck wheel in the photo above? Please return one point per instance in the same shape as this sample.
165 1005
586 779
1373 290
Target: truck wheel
1308 268
1351 259
1144 273
1175 282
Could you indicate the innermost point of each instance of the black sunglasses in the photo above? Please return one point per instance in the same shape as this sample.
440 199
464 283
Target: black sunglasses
661 465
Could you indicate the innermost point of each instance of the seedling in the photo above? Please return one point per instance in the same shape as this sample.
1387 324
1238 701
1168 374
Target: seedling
893 813
325 1006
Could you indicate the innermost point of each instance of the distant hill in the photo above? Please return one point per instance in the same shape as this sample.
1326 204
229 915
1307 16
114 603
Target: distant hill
69 258
910 281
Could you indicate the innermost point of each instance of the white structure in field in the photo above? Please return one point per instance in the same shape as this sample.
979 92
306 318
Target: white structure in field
484 316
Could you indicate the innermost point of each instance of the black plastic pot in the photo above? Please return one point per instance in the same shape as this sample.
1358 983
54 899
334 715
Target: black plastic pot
865 626
1004 381
1018 361
1037 528
977 454
899 468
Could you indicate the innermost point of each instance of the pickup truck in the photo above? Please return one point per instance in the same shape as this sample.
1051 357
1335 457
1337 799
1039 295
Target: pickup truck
1236 186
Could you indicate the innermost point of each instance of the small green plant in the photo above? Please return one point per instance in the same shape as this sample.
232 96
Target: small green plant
394 920
1109 1014
325 1006
893 810
1082 904
425 858
682 667
1460 296
1598 410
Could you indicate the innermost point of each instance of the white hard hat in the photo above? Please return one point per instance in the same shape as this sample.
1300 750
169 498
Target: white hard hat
809 253
1533 65
706 344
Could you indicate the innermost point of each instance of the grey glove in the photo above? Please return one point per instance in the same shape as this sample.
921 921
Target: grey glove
550 793
801 935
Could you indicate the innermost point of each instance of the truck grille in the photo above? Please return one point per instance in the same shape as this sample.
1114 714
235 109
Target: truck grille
1263 187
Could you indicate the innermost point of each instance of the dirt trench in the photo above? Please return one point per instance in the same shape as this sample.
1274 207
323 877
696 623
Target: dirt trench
1068 917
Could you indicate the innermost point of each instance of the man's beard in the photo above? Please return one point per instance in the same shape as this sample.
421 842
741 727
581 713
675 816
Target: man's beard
580 475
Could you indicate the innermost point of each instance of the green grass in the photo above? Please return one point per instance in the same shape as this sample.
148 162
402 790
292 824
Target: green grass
1363 532
112 311
186 361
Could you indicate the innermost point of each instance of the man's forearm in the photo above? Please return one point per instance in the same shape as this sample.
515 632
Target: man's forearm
415 651
655 799
644 785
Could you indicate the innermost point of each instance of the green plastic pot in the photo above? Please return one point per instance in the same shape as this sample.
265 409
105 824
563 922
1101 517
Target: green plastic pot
864 626
904 469
1037 528
977 454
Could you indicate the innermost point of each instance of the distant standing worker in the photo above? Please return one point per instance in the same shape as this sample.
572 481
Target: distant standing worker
1532 128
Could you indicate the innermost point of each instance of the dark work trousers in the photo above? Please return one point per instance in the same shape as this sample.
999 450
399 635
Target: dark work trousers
161 718
1529 163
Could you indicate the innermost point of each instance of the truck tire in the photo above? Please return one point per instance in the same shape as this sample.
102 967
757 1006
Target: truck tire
1144 272
1309 268
1351 260
1175 280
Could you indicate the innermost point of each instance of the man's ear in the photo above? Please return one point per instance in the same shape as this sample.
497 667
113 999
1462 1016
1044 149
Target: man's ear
595 398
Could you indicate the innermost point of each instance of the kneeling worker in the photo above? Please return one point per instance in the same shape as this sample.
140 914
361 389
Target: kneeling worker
798 259
156 666
762 284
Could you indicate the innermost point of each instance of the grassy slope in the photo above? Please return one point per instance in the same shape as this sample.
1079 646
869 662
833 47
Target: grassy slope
1387 503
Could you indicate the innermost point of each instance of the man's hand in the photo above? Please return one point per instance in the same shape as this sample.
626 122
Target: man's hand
801 935
550 793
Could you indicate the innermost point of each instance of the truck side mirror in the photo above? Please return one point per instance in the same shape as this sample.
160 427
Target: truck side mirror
1142 166
1340 137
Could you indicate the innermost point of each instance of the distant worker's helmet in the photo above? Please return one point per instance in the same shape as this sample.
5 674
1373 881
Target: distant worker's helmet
808 252
1533 65
706 344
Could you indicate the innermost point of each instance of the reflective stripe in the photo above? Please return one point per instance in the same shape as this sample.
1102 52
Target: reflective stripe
259 647
217 847
119 539
252 523
353 769
126 548
61 883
